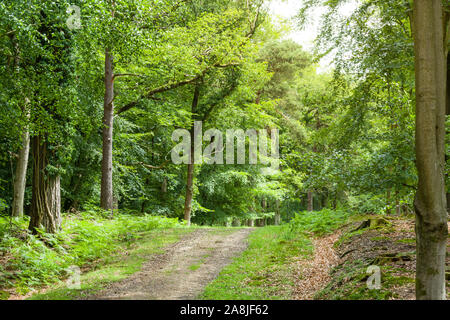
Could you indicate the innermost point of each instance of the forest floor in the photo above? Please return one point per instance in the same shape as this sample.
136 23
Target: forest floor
312 274
389 246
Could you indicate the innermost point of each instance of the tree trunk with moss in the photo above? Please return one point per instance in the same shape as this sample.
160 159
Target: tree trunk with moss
430 200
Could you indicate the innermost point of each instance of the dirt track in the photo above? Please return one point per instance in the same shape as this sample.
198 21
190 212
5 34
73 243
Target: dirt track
183 271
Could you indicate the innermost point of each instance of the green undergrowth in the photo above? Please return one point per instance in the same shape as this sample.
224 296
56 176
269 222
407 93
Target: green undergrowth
318 223
264 271
87 239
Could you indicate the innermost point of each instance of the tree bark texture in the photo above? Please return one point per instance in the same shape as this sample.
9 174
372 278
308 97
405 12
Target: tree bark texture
46 200
430 200
310 201
191 166
106 193
21 175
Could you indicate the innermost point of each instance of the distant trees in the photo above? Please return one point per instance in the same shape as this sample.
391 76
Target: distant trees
133 56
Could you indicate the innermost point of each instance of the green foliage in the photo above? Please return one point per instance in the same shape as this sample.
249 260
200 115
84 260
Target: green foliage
318 222
3 205
37 260
367 204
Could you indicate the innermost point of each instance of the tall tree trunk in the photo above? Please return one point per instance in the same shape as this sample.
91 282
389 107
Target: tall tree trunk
46 199
189 193
447 104
191 166
325 199
310 201
22 158
277 213
335 200
430 200
106 193
164 186
315 149
397 203
388 201
21 175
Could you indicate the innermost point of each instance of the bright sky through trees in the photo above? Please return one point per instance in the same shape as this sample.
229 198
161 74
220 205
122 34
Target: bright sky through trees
287 9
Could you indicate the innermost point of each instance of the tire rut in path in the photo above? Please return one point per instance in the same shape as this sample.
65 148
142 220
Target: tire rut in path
183 270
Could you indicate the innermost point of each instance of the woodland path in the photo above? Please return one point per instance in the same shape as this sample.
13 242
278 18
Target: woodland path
183 270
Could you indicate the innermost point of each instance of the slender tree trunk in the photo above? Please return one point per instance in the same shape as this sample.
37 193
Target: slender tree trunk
397 203
164 186
430 200
106 194
251 222
191 166
310 201
277 213
325 199
447 103
316 150
46 199
189 193
21 175
388 201
22 159
335 200
261 223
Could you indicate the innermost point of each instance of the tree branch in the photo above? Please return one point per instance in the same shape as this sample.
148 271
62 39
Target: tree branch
148 166
170 86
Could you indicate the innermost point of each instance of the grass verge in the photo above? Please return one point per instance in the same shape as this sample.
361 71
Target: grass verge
264 271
